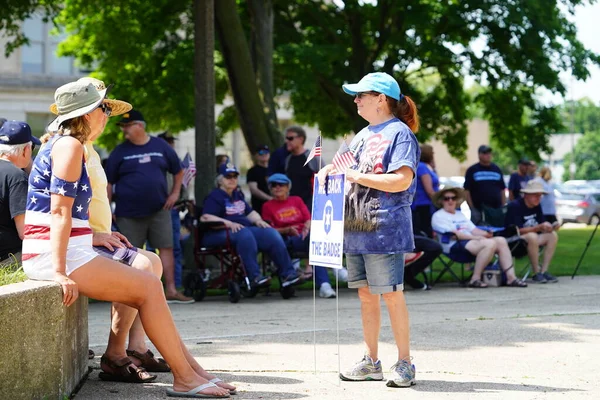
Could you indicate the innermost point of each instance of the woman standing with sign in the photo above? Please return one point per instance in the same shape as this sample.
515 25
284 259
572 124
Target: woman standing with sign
378 224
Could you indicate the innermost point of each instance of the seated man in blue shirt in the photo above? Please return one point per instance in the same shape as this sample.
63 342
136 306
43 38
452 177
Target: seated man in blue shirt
526 213
249 233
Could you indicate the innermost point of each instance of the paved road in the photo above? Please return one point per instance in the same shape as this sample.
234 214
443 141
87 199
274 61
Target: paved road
498 343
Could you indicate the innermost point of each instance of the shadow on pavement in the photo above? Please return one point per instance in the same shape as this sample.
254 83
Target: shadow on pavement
433 386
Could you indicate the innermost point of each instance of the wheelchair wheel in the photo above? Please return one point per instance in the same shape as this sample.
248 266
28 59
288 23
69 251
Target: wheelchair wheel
194 286
248 293
287 292
233 291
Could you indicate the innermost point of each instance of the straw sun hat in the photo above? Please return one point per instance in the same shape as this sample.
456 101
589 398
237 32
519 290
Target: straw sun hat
66 106
438 196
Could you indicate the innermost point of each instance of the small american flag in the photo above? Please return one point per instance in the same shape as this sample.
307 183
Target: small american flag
344 158
189 170
315 151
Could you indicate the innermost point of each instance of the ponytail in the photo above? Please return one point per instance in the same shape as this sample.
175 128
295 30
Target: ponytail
406 110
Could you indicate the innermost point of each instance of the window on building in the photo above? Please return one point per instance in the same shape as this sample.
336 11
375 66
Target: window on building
39 56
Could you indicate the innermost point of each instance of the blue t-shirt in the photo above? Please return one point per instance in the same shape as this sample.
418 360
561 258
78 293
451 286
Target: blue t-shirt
140 176
516 183
421 196
233 208
378 222
485 184
522 216
277 161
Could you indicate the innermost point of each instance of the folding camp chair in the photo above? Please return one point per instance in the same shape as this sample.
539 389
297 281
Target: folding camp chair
448 260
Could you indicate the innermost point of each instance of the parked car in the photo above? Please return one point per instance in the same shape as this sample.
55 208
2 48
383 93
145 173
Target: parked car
579 207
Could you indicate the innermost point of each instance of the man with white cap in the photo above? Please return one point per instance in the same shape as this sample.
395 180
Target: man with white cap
526 213
16 147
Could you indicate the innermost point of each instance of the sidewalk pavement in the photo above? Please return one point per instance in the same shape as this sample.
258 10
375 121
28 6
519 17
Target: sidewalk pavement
542 342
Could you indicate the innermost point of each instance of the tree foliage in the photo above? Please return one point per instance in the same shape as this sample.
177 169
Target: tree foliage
587 158
510 48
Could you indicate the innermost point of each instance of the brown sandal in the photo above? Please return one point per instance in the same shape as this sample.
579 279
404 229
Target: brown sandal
477 284
149 362
123 370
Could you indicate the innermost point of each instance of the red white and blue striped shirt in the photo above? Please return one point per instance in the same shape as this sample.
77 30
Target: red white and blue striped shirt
42 183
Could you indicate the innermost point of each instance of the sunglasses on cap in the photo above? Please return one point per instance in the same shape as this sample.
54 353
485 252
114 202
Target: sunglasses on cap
263 152
448 198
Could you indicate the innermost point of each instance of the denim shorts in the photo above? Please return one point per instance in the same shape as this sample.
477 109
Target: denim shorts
382 273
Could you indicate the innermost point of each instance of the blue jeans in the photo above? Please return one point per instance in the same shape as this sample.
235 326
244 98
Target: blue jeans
248 242
296 243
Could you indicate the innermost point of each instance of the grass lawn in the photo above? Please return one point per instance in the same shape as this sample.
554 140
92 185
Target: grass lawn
12 273
571 243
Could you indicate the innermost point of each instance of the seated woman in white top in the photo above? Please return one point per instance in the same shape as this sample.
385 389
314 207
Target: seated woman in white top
469 239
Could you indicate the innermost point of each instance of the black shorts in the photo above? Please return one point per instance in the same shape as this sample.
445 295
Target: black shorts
550 218
459 250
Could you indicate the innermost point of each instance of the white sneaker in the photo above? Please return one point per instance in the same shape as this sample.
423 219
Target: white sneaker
342 274
326 291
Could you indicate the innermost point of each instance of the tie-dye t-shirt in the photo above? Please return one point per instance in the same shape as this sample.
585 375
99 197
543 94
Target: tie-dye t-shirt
378 222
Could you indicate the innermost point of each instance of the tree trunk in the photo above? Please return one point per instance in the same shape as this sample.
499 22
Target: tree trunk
261 12
242 79
204 93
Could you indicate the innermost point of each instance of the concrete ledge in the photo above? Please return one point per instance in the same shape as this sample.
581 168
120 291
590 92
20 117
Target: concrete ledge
43 344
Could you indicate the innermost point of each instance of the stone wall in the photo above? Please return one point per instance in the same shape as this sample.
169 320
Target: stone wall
43 344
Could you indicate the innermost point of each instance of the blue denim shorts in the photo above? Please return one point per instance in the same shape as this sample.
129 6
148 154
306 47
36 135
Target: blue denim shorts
382 273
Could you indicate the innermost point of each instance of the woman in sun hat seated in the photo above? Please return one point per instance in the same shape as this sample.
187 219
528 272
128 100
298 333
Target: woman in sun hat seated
468 239
58 201
247 231
291 218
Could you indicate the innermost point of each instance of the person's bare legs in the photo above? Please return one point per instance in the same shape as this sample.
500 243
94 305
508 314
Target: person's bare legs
123 317
550 240
533 250
396 305
371 320
483 250
149 262
168 262
107 280
506 260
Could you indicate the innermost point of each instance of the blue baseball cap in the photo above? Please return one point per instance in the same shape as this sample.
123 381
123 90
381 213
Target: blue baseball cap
279 178
17 132
379 82
227 168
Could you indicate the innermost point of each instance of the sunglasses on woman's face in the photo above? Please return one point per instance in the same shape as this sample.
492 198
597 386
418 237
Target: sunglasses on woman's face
360 95
105 109
448 198
278 184
232 176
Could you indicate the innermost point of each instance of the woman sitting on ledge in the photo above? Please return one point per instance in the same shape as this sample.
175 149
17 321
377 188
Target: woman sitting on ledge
57 201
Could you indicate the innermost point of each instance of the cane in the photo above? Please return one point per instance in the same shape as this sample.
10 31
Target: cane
584 250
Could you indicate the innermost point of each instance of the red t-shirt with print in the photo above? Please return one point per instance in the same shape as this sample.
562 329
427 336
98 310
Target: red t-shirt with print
289 212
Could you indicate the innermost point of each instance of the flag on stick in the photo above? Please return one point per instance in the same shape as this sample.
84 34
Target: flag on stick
315 151
344 158
189 170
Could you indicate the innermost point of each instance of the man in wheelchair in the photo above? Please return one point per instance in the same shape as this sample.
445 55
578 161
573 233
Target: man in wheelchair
526 213
245 229
463 237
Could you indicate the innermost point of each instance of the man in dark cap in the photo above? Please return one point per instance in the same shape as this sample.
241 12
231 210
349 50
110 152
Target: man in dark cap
257 178
518 180
16 146
484 185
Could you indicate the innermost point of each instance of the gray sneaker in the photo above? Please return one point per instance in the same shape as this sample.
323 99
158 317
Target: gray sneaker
403 374
550 278
364 370
539 278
